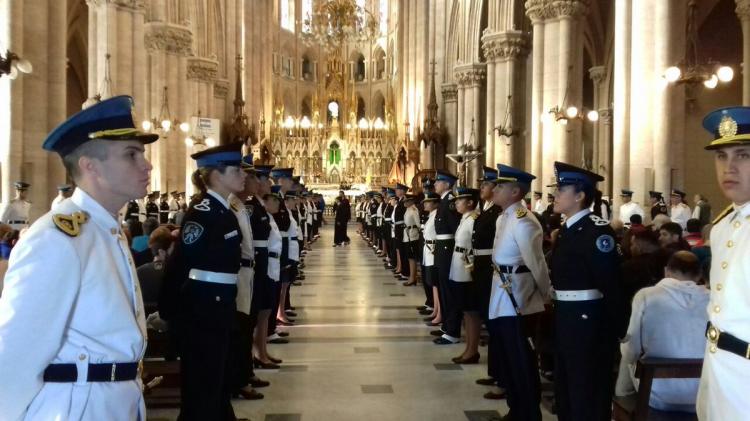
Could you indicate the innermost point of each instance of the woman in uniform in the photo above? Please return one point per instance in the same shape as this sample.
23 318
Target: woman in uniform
429 276
210 252
411 237
463 288
588 305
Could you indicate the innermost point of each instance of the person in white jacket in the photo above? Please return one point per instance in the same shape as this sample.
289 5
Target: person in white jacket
679 212
668 321
411 237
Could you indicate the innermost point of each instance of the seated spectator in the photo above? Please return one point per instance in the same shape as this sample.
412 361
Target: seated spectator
694 237
140 242
151 274
6 237
668 321
670 238
645 267
636 223
132 229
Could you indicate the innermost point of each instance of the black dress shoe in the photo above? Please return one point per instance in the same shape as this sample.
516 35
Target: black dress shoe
443 341
487 381
425 312
471 360
251 395
264 366
278 341
285 323
297 284
428 319
257 383
276 360
283 334
437 333
432 324
290 313
495 395
420 308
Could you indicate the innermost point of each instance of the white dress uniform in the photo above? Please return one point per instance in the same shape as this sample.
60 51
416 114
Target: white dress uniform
518 242
71 299
411 224
57 200
680 214
379 214
459 272
539 207
629 209
16 214
274 246
173 208
294 233
723 392
245 277
428 252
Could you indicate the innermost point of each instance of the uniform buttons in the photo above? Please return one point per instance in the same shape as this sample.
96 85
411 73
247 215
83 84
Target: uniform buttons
730 243
719 287
717 309
737 224
82 357
218 298
712 348
724 265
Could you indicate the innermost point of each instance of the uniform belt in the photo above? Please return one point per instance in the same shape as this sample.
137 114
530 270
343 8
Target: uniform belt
580 295
273 255
19 222
440 237
246 263
399 223
512 269
429 241
461 250
412 226
389 219
284 234
726 342
260 243
482 252
213 277
293 238
111 372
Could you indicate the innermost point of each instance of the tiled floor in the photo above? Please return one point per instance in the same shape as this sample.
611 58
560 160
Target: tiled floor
361 352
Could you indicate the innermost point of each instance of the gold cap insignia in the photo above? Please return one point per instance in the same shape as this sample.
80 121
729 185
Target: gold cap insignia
727 126
70 224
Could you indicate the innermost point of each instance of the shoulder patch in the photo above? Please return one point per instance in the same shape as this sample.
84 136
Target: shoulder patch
605 243
203 205
723 214
191 232
599 222
70 224
521 212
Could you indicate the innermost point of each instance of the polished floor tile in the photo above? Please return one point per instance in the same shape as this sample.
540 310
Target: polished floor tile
349 302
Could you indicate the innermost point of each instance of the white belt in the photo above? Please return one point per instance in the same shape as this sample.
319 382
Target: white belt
388 219
482 252
260 243
580 295
214 277
399 222
444 237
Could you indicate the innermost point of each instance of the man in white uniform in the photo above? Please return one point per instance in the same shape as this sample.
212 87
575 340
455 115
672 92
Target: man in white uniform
16 212
539 205
679 212
72 325
723 392
629 208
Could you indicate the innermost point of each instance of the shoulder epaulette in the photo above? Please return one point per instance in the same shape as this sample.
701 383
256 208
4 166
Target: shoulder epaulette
521 212
70 224
723 214
474 215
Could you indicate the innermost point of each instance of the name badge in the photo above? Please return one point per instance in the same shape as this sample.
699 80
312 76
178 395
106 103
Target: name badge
230 235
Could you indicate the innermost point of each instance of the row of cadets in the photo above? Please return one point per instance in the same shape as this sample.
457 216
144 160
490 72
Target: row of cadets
446 222
63 354
267 245
519 288
283 178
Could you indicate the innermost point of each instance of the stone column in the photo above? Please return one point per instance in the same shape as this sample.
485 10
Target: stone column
492 99
470 78
605 151
597 75
743 12
450 97
621 105
537 11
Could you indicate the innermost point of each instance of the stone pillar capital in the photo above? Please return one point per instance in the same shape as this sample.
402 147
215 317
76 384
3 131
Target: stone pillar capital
569 8
538 10
743 9
450 92
133 5
470 75
597 74
221 87
202 69
170 38
508 45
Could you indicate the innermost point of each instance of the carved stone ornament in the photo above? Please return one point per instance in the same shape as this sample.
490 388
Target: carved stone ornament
173 39
136 5
470 74
605 116
202 69
569 8
450 92
538 10
500 46
743 9
597 74
221 88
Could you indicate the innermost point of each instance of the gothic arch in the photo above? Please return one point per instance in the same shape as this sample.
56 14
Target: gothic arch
77 54
378 105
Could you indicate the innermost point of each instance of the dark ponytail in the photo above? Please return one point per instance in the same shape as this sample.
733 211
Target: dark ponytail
199 179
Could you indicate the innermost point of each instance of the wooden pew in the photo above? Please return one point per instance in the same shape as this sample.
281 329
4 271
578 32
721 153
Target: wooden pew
635 407
166 393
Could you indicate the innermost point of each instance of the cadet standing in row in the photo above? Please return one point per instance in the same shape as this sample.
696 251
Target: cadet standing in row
629 208
446 222
64 191
16 212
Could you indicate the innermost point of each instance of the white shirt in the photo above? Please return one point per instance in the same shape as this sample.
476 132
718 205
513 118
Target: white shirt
18 211
576 217
680 214
70 300
293 239
458 272
173 207
411 224
245 277
56 201
629 209
518 242
274 246
726 377
539 206
668 321
428 253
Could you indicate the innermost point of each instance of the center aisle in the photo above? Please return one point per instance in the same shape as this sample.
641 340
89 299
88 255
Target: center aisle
360 351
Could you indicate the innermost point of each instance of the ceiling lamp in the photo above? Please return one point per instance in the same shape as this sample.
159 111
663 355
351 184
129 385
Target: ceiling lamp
572 112
334 23
691 70
164 122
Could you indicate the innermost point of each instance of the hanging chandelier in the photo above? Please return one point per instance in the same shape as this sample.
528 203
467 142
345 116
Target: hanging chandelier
334 23
692 70
164 123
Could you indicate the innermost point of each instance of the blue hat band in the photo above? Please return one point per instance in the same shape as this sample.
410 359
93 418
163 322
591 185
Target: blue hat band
573 177
219 159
